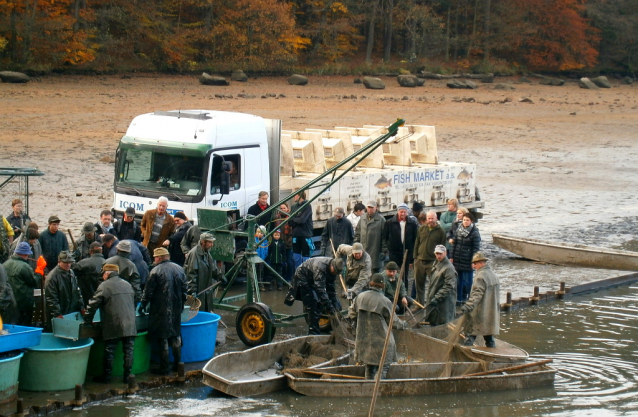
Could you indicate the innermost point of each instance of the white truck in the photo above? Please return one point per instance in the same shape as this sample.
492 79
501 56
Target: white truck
178 154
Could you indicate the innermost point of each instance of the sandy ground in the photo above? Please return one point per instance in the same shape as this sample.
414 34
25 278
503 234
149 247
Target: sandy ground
562 167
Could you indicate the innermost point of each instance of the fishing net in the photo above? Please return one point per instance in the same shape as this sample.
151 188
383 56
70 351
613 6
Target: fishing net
193 305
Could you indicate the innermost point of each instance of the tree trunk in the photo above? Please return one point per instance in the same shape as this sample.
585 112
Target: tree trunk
447 31
388 32
470 46
371 32
456 31
486 29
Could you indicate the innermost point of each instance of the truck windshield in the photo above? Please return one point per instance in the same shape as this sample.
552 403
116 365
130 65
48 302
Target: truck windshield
157 171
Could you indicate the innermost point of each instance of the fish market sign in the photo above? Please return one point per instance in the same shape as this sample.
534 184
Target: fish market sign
422 176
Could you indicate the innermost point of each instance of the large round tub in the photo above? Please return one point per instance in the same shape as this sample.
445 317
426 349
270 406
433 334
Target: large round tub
9 371
141 357
199 335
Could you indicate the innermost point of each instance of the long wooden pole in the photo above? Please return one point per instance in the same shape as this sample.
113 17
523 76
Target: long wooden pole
307 371
511 368
377 381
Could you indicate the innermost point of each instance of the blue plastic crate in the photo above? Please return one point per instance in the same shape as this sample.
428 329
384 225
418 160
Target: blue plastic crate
19 337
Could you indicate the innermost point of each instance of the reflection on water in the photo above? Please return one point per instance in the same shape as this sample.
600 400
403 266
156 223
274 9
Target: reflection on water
590 339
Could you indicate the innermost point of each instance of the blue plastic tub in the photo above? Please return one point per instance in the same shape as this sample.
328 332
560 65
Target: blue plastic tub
55 365
199 335
9 370
19 337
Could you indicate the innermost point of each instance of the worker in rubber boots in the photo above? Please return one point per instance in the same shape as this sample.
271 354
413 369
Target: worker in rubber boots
115 298
483 305
359 268
166 292
441 291
201 271
372 311
314 284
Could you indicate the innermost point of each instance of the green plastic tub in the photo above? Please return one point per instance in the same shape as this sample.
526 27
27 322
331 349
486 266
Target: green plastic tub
9 370
141 357
54 365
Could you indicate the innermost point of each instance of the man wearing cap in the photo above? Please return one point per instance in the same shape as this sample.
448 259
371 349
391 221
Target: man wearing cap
428 237
441 294
173 242
314 284
127 269
116 300
23 281
62 292
128 227
89 272
370 232
338 231
166 292
201 271
157 225
390 283
399 235
83 241
483 305
53 241
358 267
30 235
372 311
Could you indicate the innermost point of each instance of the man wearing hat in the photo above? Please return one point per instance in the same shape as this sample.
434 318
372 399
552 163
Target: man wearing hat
314 284
128 227
358 267
83 241
338 231
399 235
483 305
166 292
116 300
201 271
23 281
391 282
89 272
173 242
370 232
127 269
372 311
62 292
53 241
441 293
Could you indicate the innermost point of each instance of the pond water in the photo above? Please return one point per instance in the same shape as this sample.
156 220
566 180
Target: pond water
589 338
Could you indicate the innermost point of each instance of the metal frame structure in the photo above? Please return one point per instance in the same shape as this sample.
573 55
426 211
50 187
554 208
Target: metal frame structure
12 173
255 322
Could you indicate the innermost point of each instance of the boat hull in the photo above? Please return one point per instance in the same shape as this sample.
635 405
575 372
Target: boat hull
568 255
418 379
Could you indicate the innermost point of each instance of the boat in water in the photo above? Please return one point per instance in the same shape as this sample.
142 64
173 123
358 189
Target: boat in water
422 379
568 255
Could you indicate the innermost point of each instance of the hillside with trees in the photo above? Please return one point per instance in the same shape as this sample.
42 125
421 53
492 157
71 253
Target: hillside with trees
320 36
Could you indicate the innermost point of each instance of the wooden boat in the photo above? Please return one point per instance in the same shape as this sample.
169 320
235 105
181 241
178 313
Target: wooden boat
421 379
253 371
569 255
434 342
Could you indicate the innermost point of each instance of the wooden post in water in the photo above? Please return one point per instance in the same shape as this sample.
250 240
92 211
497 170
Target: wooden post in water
508 304
560 294
534 300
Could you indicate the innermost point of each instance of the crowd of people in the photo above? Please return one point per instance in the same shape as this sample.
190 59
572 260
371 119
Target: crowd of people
150 268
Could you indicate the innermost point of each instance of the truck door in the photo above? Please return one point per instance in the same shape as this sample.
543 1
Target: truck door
237 196
258 176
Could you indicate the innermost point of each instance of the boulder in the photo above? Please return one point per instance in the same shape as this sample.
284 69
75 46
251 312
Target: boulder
504 86
357 80
14 77
421 81
627 80
239 75
601 82
406 80
373 83
524 79
462 84
587 83
556 82
207 79
487 78
297 79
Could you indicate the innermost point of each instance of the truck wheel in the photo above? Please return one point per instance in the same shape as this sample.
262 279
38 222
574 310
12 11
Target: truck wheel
254 324
324 321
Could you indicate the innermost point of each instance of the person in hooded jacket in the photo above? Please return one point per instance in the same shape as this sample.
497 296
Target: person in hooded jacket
115 298
166 291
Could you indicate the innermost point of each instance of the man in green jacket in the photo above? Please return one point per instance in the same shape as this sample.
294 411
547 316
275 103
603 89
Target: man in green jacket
23 281
62 292
201 270
428 237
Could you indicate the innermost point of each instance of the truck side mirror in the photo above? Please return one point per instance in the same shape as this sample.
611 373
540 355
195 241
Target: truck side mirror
224 184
